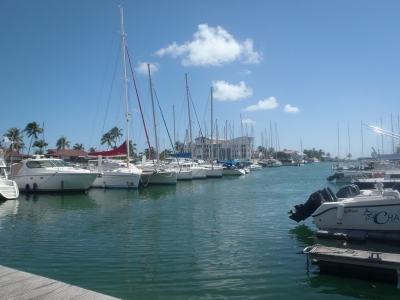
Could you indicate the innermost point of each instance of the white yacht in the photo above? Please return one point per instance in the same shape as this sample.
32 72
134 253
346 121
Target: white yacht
50 175
8 188
181 167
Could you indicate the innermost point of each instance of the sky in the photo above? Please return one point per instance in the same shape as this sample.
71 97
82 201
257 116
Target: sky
293 74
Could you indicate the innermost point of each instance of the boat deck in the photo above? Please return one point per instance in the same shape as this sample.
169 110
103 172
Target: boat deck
369 265
22 285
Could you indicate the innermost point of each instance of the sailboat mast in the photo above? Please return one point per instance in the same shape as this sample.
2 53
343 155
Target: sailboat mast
154 113
212 128
127 115
190 122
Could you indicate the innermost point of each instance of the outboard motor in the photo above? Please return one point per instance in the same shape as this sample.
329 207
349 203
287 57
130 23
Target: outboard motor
337 175
316 199
348 191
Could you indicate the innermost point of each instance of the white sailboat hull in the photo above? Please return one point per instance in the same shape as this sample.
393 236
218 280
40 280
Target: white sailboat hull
158 177
117 179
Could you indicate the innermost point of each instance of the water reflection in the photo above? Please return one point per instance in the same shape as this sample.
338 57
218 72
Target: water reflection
354 288
303 234
157 192
8 207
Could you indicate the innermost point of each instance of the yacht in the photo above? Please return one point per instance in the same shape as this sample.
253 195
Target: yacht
8 188
40 174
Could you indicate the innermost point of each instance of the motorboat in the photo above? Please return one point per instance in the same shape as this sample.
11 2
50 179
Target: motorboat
254 167
352 209
273 163
390 178
232 170
40 174
8 188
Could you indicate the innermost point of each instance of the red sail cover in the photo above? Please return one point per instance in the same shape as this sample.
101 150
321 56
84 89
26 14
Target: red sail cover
120 151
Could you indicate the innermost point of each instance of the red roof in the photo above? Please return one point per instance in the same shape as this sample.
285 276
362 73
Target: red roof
66 152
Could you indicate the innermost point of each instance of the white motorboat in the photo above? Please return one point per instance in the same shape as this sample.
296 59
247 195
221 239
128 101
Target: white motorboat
254 167
273 163
40 174
352 209
8 188
230 169
390 178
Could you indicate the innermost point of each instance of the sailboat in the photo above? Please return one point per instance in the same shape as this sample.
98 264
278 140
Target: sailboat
153 173
117 173
213 170
198 171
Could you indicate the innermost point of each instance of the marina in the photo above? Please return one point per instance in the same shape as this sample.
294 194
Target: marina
222 238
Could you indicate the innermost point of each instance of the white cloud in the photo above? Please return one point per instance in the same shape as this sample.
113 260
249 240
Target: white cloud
248 121
224 91
266 104
212 46
291 109
245 72
142 68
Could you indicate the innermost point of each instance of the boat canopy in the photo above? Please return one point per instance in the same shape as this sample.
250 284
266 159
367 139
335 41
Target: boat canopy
120 151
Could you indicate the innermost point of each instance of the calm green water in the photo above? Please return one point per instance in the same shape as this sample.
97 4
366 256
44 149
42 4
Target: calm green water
227 238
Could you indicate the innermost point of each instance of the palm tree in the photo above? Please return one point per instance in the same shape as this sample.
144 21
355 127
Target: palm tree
107 138
78 147
32 130
132 149
62 143
115 133
92 149
16 137
39 144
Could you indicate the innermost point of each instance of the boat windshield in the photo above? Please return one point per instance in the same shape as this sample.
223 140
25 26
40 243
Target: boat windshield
39 164
60 163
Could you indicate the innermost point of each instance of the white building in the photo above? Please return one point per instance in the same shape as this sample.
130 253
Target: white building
237 148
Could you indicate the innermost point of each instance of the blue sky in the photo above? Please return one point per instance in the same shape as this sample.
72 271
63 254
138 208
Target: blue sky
310 72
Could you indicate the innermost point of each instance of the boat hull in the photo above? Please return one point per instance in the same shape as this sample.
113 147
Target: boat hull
152 177
8 189
115 179
55 182
371 215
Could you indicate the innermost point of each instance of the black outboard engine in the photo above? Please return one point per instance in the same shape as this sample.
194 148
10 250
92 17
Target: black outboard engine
316 199
337 175
348 191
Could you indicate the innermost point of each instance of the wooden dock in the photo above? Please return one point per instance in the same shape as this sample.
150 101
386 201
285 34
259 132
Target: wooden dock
369 265
24 286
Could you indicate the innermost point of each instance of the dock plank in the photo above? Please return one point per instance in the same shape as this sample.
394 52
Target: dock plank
16 284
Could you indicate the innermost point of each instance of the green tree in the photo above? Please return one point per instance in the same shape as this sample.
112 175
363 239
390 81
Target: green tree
32 130
39 144
132 149
92 149
116 134
165 153
107 138
62 143
16 137
78 147
179 147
